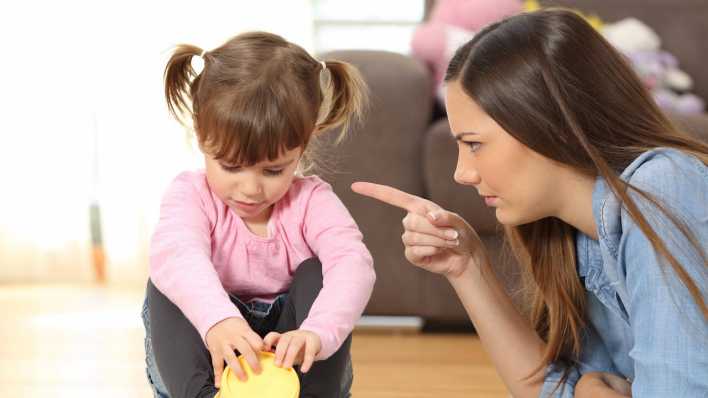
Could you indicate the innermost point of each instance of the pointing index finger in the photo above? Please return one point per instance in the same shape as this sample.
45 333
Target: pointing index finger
392 196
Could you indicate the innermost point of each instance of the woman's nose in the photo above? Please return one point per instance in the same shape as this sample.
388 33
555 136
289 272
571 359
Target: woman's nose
466 175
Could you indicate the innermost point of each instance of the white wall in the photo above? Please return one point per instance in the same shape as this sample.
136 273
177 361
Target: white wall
72 68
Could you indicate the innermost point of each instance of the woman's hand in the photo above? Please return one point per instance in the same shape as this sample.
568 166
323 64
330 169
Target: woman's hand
601 384
435 239
294 347
229 335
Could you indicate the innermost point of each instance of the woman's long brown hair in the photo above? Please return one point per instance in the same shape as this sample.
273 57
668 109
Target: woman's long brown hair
554 84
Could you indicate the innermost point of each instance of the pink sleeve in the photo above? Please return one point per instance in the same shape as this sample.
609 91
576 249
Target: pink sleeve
347 268
180 254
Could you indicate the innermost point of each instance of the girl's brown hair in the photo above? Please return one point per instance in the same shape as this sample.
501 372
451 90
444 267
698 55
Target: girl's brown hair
554 84
259 95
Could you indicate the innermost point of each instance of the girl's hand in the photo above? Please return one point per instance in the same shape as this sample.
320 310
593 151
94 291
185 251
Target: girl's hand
601 384
435 239
294 347
229 335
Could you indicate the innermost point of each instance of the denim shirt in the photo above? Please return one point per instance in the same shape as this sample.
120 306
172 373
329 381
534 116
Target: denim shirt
643 324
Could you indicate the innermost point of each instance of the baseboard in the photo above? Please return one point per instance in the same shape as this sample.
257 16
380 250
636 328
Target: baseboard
374 323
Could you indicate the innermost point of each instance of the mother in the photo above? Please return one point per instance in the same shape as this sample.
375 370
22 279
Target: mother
605 205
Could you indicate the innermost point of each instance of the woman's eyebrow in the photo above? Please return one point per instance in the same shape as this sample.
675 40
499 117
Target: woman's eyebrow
459 136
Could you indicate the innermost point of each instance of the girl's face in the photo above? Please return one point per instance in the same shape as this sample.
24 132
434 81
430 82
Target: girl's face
521 184
251 191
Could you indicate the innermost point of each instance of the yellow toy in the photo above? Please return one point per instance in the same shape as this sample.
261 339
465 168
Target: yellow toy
272 382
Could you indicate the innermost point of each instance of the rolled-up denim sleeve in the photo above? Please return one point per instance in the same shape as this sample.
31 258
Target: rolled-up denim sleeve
551 386
593 358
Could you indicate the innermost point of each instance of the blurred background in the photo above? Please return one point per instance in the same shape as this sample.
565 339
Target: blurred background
88 147
85 122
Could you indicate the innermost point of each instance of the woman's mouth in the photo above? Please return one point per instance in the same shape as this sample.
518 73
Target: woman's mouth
490 200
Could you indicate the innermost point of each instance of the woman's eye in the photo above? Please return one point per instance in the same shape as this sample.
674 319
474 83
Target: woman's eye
474 145
273 172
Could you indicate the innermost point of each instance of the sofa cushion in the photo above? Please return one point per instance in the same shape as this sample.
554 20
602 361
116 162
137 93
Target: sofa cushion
385 149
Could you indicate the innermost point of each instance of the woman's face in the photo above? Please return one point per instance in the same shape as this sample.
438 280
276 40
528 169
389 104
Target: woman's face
521 184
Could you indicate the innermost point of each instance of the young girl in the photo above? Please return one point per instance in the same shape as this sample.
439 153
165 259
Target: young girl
605 205
248 255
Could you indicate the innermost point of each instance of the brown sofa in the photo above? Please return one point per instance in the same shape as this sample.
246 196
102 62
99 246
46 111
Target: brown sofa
401 145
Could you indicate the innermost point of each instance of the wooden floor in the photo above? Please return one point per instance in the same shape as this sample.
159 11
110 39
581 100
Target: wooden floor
63 341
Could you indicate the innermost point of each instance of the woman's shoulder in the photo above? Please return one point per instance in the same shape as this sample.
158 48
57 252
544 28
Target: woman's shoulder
675 179
678 180
667 171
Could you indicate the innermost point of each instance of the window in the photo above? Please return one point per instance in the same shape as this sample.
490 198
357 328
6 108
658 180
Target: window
366 24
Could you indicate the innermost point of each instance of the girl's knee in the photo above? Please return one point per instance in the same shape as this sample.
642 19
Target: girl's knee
309 273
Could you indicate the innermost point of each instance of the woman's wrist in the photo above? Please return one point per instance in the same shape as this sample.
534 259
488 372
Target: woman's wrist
469 270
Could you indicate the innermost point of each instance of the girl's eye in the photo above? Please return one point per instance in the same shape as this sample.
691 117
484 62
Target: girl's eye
474 145
273 172
230 169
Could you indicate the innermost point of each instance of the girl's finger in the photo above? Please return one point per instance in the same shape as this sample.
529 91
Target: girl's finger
294 349
309 357
249 355
254 340
217 361
234 364
282 348
270 340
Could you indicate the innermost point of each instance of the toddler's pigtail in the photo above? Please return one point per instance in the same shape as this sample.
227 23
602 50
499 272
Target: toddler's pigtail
344 96
181 80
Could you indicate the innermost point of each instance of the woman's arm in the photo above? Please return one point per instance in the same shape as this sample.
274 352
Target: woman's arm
669 329
514 347
599 384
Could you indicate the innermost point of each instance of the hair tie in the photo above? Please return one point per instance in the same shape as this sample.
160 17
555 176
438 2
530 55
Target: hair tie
198 63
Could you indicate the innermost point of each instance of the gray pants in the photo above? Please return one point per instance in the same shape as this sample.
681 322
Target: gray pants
179 365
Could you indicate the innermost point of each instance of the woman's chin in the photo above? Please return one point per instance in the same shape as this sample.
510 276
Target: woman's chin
510 219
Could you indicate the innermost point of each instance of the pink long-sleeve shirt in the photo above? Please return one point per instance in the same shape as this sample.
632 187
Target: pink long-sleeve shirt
201 251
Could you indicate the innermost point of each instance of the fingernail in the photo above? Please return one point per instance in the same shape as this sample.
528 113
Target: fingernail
455 242
433 216
451 234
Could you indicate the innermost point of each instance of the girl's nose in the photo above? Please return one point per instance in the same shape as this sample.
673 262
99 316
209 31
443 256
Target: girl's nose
251 188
